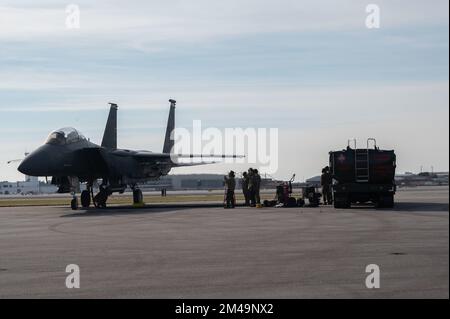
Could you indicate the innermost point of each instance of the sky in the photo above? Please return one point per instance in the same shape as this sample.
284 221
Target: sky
312 69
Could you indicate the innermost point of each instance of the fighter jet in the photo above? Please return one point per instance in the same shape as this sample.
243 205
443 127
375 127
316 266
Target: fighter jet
70 159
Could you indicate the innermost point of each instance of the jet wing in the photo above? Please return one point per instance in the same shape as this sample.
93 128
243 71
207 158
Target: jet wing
178 164
172 159
193 164
156 156
207 156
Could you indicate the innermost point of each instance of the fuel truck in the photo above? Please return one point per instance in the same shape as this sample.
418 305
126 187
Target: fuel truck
363 175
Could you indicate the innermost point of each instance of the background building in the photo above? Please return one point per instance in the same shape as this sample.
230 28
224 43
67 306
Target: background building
32 185
422 179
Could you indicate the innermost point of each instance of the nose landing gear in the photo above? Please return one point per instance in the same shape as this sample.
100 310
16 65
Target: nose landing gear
74 202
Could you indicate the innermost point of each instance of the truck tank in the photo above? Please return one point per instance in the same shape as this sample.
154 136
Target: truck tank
363 174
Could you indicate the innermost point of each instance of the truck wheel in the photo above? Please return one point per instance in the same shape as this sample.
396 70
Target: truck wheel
341 204
385 201
85 199
390 201
379 203
341 201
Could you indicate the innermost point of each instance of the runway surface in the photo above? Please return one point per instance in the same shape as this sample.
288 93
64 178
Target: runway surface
210 252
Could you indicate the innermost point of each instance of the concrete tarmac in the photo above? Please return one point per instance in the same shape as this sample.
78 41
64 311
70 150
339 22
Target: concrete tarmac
210 252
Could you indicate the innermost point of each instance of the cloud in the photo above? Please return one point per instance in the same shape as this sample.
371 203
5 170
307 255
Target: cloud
142 24
311 100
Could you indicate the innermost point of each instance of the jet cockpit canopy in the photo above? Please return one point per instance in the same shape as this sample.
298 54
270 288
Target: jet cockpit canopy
64 136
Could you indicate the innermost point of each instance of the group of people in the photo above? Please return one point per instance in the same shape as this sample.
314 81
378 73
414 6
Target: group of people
251 183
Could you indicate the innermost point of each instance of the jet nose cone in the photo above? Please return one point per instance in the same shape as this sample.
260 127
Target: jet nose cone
26 166
38 163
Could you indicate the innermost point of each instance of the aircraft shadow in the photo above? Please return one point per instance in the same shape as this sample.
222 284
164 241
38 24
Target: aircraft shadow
166 208
130 210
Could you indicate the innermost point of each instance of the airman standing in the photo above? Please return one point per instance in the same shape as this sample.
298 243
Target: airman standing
244 182
326 181
256 186
230 183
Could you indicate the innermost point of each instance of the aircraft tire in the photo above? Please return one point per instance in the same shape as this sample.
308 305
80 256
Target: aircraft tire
101 198
85 199
137 196
74 204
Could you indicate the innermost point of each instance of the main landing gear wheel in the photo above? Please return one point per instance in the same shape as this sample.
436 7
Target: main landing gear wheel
138 198
101 198
85 198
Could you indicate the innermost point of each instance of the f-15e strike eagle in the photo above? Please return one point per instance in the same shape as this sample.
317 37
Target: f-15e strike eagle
72 159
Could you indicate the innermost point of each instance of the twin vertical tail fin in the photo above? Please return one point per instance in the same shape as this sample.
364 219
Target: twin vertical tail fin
110 135
168 141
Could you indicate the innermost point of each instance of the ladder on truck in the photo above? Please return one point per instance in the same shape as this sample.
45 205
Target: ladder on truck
362 165
362 174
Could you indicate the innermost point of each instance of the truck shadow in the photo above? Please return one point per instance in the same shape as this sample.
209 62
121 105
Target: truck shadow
421 207
408 207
